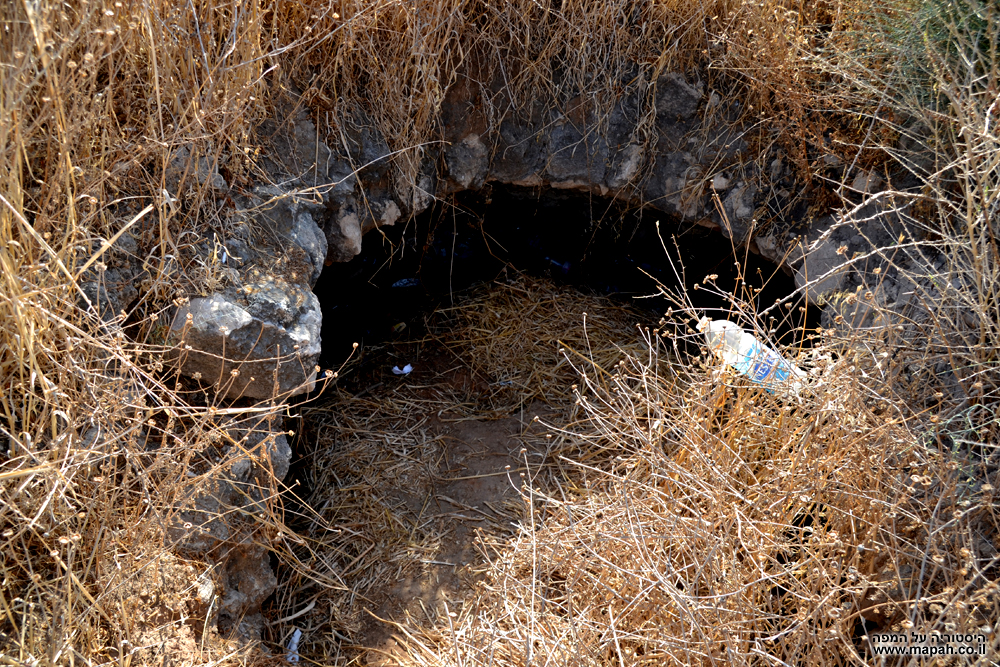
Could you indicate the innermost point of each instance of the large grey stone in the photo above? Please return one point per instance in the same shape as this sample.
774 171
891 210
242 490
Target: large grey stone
343 232
246 583
821 269
261 345
253 458
676 99
626 164
299 158
467 162
290 217
112 283
578 157
235 481
259 336
522 149
186 170
828 257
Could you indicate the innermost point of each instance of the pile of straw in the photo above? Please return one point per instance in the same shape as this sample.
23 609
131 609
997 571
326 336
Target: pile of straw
357 536
525 338
722 525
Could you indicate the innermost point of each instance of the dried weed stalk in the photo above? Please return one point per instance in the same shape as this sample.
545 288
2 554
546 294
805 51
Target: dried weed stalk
724 525
95 99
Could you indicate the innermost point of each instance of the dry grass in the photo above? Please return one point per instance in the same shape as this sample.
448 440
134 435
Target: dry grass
673 514
104 449
96 96
724 526
367 453
509 334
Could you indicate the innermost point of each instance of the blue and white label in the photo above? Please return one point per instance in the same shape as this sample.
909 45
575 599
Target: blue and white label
764 366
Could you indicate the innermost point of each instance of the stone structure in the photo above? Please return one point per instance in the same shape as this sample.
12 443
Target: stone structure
692 164
257 336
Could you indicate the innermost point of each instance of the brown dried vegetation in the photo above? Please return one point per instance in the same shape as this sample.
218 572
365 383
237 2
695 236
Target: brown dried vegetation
693 520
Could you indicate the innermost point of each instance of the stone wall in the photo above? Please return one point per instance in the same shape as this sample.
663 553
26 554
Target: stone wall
693 162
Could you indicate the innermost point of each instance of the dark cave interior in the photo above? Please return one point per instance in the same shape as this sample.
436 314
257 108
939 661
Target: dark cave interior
408 270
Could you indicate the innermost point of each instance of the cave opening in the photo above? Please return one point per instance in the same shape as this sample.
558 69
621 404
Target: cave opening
568 237
401 480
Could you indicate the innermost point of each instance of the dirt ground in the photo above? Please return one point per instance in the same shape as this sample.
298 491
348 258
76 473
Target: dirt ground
475 488
449 476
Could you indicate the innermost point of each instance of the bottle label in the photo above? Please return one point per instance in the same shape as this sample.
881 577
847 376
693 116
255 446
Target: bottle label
765 366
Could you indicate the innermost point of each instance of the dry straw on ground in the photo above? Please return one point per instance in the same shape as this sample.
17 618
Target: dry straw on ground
510 334
368 452
724 525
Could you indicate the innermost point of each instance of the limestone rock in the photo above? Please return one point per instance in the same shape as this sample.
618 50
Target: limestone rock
676 99
291 218
387 213
243 475
577 157
866 182
739 203
299 158
256 346
628 162
824 260
565 144
423 193
307 235
343 232
852 253
240 477
211 525
770 248
467 162
247 581
111 284
821 268
260 335
578 153
318 181
720 182
521 153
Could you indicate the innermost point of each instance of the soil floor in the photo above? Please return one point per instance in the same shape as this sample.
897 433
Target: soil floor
456 489
471 490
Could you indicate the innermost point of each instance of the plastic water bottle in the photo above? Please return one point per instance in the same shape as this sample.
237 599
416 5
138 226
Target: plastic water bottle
751 358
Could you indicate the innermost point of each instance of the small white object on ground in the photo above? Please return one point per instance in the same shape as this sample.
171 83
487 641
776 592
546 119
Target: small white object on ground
405 370
293 647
